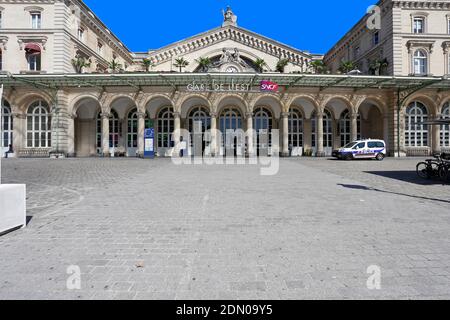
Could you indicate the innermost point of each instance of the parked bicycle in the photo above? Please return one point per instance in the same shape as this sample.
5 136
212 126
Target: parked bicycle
438 167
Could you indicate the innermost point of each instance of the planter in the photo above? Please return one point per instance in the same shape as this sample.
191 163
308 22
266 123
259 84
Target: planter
12 207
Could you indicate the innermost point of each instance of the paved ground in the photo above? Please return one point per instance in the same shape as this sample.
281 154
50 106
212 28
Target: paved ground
151 230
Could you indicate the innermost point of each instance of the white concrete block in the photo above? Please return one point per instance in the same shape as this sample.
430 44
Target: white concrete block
12 206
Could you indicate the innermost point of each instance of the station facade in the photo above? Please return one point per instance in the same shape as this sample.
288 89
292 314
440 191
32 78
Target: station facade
226 78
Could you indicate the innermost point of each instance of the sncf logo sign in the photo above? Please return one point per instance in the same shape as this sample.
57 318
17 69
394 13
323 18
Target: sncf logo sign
269 86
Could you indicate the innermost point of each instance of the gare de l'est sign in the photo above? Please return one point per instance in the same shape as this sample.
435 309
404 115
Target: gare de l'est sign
233 86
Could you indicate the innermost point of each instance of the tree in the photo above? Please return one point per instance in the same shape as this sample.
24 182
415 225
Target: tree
260 64
181 63
81 62
319 67
377 66
347 66
281 65
147 63
115 66
204 63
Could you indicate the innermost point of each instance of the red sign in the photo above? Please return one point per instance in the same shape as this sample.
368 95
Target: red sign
269 86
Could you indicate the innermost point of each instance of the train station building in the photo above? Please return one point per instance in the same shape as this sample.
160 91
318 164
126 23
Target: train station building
72 88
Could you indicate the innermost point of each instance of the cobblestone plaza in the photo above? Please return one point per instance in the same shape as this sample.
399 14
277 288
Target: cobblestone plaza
150 230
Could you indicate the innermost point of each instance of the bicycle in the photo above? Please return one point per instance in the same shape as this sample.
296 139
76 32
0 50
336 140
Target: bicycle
430 168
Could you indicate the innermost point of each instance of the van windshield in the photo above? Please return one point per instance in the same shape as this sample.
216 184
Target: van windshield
350 145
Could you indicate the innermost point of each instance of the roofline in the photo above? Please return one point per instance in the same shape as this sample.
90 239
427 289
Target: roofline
155 51
85 6
350 31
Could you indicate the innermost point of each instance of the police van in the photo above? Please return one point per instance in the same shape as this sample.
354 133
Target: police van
362 149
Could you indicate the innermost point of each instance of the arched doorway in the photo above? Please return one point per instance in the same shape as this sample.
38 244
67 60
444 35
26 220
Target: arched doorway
115 132
165 129
7 125
230 120
263 124
88 127
198 121
345 128
295 132
132 142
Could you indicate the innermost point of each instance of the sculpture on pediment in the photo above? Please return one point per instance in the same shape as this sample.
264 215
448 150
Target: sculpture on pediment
229 18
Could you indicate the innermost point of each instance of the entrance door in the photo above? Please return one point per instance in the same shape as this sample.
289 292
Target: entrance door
262 124
230 121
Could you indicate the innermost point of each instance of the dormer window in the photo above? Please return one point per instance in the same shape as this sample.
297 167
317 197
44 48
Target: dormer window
418 25
36 20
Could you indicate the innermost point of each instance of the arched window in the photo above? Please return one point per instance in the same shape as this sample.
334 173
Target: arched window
132 129
295 129
445 129
262 123
262 120
114 129
166 126
7 125
345 127
420 62
416 134
1 57
327 129
199 114
38 125
230 119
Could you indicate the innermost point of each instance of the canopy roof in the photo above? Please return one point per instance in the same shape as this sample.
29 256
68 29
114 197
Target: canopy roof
177 80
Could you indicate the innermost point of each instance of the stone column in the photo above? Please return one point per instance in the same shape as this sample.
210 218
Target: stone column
176 136
71 136
19 131
285 128
213 134
354 126
250 146
320 151
105 134
140 135
436 137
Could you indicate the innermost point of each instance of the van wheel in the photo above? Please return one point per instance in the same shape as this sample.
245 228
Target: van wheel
348 157
380 157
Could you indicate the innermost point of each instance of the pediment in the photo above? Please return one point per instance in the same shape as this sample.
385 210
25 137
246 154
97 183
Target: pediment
213 41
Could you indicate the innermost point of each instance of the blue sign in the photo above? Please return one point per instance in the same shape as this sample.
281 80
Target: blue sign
149 143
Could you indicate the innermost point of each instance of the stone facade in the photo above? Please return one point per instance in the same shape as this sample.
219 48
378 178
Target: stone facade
404 28
87 119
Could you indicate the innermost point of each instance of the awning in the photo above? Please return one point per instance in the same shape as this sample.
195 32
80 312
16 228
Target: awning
32 49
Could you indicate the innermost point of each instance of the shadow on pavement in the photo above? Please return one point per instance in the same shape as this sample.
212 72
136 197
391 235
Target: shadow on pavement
359 187
406 176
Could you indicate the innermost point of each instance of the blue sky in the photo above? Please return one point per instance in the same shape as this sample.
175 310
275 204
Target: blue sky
307 25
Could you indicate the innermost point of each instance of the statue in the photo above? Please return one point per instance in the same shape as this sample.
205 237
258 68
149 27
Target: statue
229 18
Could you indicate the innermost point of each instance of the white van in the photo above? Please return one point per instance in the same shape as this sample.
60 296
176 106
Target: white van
362 149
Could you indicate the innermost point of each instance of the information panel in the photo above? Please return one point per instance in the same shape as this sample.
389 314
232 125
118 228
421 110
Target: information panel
149 143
